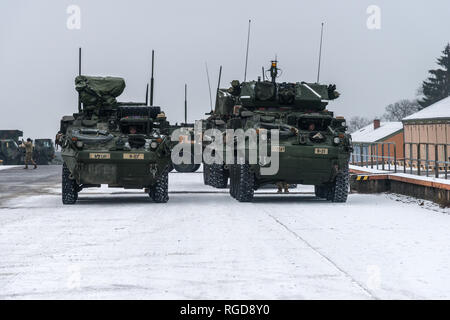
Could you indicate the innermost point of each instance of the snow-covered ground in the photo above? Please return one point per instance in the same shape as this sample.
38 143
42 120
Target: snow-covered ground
204 245
2 167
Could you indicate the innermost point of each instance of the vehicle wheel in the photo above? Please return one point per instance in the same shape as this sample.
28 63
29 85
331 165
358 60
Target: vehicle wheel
190 167
341 186
69 187
232 181
219 176
245 180
206 174
160 192
186 167
320 191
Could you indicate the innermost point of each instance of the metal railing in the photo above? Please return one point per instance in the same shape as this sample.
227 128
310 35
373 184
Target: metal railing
436 158
418 158
375 155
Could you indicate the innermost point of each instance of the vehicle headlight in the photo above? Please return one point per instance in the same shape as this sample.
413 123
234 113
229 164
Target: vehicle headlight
343 123
336 140
154 145
80 144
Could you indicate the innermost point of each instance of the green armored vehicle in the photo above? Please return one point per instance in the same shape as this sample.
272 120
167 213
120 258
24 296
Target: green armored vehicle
313 148
44 151
120 144
10 152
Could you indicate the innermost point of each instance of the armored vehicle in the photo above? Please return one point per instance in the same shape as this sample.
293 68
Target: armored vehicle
44 151
10 153
108 142
313 148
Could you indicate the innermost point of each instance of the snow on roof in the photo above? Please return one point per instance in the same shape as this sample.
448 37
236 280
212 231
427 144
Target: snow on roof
369 134
440 109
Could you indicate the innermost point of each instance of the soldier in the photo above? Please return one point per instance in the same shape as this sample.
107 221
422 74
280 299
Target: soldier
132 130
282 185
28 153
58 138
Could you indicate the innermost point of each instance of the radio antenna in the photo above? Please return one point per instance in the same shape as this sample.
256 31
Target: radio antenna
320 54
218 86
209 86
146 96
185 104
246 55
152 80
79 74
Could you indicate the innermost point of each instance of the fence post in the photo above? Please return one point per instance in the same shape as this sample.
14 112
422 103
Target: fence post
371 156
361 155
436 161
404 157
395 158
377 155
445 160
418 159
410 157
389 156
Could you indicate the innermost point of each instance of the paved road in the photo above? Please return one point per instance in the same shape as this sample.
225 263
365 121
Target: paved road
16 181
116 244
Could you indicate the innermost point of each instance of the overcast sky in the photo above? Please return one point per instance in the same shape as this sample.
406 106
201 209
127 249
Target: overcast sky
371 68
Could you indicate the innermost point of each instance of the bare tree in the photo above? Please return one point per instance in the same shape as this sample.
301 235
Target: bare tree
357 123
400 109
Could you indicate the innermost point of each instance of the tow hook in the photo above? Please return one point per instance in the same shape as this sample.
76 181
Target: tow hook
153 169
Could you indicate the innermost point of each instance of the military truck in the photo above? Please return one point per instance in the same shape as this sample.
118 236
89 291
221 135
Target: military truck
44 151
10 153
313 149
120 144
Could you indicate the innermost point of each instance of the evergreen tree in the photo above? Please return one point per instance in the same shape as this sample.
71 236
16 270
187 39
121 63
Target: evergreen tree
437 87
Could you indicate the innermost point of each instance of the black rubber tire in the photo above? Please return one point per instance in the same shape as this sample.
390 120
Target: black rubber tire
219 176
320 191
160 191
206 174
233 181
245 182
69 187
341 186
186 167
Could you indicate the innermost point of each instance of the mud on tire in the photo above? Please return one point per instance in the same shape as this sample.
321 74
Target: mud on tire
341 186
243 184
69 187
206 174
218 176
160 191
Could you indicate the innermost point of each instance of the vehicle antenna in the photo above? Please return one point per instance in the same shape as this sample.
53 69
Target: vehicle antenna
152 80
246 56
79 73
209 85
320 53
185 104
218 86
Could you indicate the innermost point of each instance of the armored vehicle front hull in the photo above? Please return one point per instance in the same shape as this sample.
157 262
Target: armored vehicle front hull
130 170
301 165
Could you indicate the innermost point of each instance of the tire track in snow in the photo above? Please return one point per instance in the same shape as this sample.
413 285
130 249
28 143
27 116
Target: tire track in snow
325 257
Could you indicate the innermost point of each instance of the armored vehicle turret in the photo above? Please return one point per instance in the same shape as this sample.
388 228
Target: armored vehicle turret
120 144
313 147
